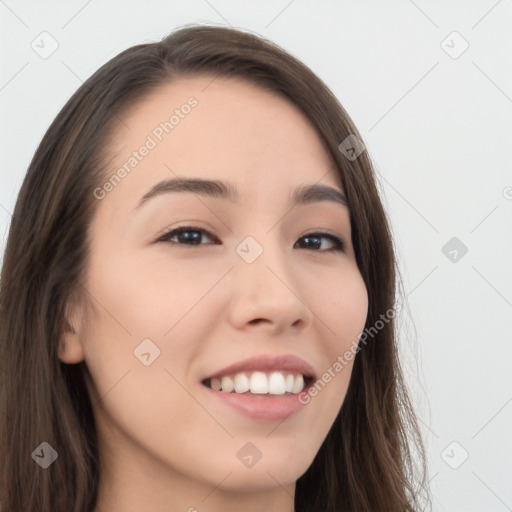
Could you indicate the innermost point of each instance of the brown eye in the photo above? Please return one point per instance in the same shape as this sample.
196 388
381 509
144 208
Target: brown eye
314 240
186 235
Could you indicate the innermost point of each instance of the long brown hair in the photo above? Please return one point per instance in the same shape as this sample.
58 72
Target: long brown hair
366 463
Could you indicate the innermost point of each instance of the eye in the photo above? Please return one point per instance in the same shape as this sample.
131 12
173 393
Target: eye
192 236
314 240
187 235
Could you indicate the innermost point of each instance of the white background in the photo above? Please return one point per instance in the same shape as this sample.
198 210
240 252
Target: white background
438 129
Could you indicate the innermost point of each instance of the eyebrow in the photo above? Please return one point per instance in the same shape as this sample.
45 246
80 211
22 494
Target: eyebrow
214 188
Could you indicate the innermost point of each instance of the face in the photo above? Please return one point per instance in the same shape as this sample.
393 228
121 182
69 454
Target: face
256 282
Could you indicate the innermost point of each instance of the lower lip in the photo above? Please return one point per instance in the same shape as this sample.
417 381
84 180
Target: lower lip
263 407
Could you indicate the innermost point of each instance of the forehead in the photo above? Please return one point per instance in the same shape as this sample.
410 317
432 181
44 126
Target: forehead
227 129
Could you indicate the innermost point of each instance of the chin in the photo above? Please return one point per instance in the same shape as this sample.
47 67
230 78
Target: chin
279 470
260 480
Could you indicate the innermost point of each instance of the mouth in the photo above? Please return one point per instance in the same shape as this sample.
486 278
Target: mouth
264 388
260 383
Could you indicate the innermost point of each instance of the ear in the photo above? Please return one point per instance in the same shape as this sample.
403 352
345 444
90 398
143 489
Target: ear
70 346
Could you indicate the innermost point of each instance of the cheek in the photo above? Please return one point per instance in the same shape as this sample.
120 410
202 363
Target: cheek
147 298
159 312
153 313
342 307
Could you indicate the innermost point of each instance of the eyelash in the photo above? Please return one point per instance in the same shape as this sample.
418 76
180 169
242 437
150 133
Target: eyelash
339 243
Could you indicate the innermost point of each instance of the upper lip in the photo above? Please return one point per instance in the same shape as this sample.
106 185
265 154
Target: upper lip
267 363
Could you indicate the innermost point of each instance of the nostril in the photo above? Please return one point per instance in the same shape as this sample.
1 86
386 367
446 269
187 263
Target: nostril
257 321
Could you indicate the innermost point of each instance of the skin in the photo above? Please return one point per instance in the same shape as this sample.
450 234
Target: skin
165 445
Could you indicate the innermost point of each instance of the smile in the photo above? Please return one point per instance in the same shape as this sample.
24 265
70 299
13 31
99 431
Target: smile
259 383
264 388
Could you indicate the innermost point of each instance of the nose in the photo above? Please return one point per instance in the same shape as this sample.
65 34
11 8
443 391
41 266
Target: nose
267 293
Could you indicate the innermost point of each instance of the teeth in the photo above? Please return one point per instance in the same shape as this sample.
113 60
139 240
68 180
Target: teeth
290 379
260 383
298 385
241 383
216 384
227 384
276 384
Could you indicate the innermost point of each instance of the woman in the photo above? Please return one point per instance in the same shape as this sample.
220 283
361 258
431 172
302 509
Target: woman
198 294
